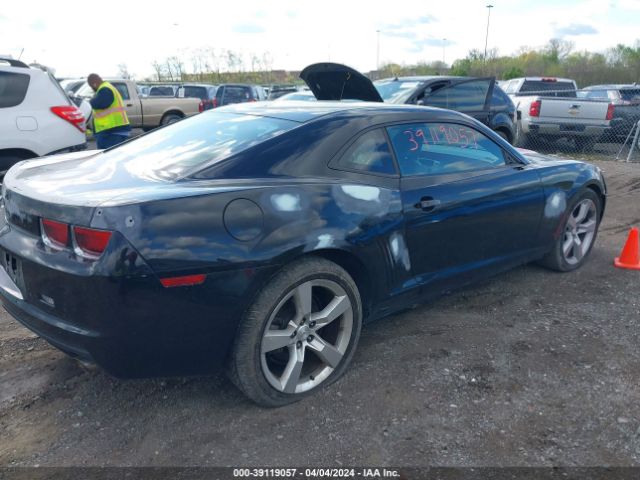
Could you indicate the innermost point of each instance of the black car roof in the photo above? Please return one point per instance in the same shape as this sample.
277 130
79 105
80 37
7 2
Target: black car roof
421 78
306 111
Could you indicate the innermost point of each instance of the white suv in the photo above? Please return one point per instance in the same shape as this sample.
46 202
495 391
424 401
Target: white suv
36 116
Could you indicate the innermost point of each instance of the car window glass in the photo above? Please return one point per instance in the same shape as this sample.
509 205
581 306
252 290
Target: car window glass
467 96
195 92
499 99
169 152
236 95
551 88
122 89
13 88
396 91
630 95
443 148
161 92
369 153
597 94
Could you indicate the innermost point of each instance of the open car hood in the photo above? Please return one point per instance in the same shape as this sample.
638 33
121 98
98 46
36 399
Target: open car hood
333 81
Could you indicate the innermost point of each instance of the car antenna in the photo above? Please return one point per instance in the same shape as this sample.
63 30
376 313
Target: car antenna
344 84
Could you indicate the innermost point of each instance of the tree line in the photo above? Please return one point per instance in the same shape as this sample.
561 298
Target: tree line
558 58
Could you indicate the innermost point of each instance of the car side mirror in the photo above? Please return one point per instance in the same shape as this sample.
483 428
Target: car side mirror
421 102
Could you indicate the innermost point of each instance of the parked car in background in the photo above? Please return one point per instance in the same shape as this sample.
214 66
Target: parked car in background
549 109
300 96
277 91
148 113
36 116
261 237
625 98
473 96
71 85
230 93
206 94
163 90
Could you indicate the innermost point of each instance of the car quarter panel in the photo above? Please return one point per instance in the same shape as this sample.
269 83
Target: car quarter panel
263 227
562 180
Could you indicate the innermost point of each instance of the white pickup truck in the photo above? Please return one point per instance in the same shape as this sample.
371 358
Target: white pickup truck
548 109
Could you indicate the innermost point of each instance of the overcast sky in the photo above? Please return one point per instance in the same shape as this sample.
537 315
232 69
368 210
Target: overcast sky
74 38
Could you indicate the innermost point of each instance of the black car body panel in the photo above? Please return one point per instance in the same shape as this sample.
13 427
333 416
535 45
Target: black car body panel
240 220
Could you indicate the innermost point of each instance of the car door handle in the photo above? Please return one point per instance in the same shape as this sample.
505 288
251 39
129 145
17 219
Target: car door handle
427 204
129 104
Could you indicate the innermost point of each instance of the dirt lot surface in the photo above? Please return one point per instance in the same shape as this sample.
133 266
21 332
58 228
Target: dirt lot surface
530 368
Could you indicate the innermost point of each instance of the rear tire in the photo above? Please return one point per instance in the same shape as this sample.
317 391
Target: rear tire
170 118
299 335
578 233
504 136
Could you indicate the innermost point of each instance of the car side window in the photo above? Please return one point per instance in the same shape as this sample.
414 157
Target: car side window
13 88
123 90
443 148
369 153
499 99
463 97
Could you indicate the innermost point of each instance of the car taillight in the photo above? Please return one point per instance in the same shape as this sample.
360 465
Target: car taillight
610 110
201 106
534 108
214 103
90 242
55 234
71 114
183 281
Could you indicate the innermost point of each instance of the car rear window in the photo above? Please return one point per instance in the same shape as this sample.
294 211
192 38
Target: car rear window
196 92
13 88
630 95
170 152
549 87
161 92
237 94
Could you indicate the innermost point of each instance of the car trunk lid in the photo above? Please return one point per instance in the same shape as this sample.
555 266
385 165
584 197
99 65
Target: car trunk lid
334 81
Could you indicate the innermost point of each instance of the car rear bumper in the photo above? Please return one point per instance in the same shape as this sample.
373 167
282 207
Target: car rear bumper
128 324
565 129
66 337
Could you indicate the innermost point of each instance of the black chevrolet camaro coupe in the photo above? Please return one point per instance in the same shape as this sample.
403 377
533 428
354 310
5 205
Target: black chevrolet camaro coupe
261 237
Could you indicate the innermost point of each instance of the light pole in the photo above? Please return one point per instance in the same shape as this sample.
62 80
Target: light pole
486 38
378 50
444 46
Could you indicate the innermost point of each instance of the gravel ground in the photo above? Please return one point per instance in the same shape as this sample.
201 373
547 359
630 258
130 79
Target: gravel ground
531 368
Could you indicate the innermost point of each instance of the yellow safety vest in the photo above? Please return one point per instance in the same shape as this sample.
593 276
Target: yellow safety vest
115 115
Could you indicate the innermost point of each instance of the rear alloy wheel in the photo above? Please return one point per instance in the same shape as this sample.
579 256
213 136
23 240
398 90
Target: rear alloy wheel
305 340
578 234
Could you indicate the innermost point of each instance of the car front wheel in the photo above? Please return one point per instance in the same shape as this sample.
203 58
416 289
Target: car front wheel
299 335
578 234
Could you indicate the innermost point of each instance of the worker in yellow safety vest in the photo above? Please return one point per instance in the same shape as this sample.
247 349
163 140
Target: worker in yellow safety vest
110 121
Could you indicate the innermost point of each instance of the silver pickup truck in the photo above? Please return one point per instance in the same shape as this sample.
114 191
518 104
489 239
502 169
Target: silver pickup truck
548 109
149 112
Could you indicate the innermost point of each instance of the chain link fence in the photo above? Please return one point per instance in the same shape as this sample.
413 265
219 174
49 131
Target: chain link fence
594 123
